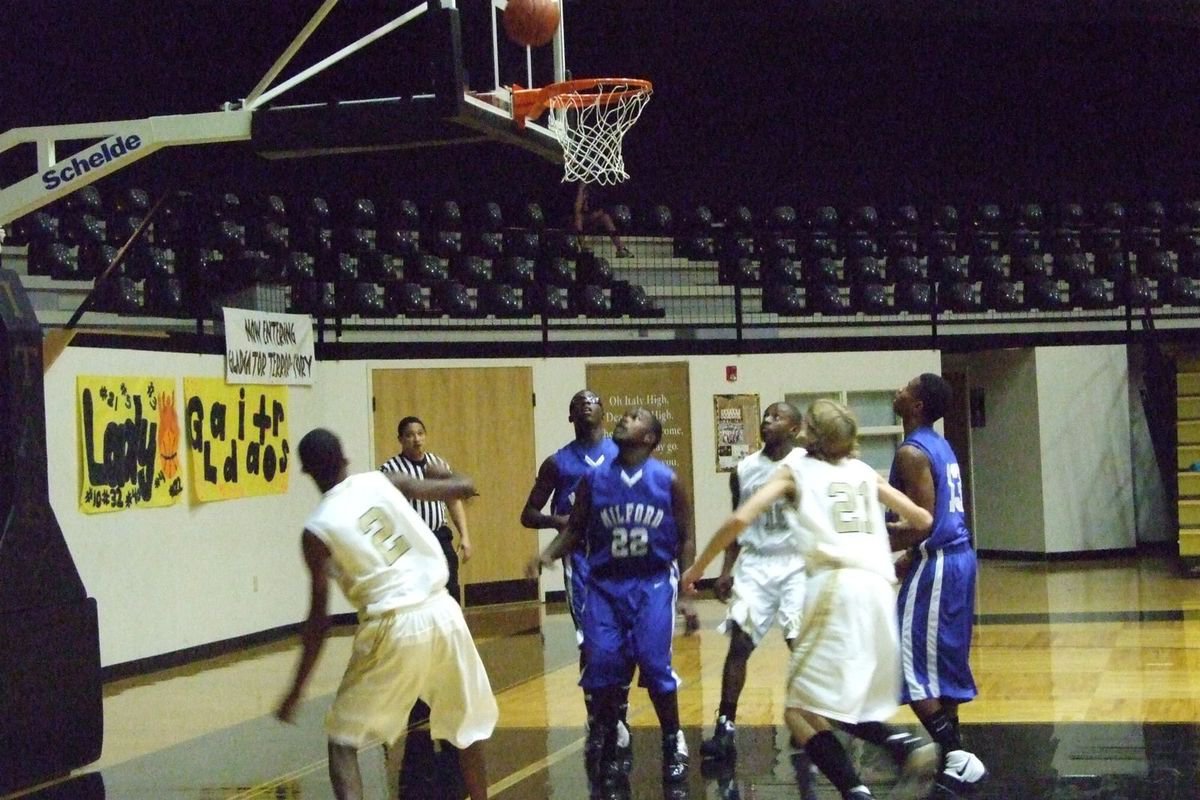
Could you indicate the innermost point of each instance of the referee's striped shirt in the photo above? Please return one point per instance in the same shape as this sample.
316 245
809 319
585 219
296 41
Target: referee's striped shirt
432 511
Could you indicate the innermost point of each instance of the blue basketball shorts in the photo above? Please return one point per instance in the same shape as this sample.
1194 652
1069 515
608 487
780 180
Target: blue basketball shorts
628 622
936 609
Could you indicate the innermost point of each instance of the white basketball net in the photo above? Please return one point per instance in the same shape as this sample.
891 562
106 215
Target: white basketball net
590 126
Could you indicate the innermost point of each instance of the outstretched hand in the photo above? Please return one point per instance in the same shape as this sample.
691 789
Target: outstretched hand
535 566
287 709
691 618
687 582
723 588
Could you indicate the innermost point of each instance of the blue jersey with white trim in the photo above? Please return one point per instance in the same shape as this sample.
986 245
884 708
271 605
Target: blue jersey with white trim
949 511
631 526
574 460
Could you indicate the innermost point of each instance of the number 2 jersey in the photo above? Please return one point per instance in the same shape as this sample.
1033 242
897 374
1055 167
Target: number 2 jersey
949 512
631 527
384 555
840 516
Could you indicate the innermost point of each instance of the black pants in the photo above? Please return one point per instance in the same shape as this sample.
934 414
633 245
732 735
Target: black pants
445 538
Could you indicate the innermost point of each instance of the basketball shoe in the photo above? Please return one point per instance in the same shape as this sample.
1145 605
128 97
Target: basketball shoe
675 758
917 761
721 747
961 773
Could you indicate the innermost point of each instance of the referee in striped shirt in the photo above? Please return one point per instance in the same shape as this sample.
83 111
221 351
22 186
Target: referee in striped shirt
413 460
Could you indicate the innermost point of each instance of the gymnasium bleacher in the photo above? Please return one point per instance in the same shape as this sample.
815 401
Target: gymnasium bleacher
371 267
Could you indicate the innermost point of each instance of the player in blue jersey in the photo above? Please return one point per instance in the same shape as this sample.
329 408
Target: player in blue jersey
936 604
633 518
556 480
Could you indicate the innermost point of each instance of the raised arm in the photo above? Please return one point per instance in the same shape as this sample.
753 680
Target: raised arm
916 519
543 488
569 537
455 487
916 476
723 587
316 625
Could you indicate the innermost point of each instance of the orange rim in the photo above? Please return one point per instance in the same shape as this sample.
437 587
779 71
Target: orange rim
530 103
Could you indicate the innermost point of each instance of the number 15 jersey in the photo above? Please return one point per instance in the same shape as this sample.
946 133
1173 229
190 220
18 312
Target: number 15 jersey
384 555
631 527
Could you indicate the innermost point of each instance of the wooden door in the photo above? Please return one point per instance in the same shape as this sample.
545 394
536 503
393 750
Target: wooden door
481 421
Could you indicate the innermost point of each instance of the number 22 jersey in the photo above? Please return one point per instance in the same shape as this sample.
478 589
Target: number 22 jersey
631 527
384 555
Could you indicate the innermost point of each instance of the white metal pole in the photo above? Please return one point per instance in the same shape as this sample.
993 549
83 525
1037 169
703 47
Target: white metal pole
292 49
338 56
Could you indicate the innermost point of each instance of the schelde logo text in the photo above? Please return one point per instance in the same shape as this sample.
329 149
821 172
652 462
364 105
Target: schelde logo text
85 162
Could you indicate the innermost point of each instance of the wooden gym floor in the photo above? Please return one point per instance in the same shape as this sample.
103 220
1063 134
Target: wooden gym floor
1089 678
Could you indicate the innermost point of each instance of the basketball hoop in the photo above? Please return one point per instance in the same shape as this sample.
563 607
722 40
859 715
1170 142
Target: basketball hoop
589 117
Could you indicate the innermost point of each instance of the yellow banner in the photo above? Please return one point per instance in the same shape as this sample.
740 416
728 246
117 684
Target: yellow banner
237 439
128 443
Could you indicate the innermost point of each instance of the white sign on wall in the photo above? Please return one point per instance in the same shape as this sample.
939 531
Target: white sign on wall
264 347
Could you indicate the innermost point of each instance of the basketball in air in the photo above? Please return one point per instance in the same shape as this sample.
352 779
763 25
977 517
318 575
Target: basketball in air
531 23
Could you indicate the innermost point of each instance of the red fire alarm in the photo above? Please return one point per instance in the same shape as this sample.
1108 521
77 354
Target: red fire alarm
731 373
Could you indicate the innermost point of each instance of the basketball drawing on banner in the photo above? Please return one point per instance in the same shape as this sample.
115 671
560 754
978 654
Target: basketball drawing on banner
128 443
237 438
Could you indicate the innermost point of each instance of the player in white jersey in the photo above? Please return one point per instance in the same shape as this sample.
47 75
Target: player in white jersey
762 575
845 666
412 641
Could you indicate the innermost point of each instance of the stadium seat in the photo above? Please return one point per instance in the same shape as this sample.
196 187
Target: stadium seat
781 272
742 271
522 243
362 298
826 298
1091 293
590 300
915 297
502 301
870 298
59 260
470 270
631 300
555 271
1001 295
163 296
782 220
739 220
445 215
426 270
402 242
451 298
783 299
404 299
377 265
906 268
318 298
1043 294
656 221
959 296
514 270
594 269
